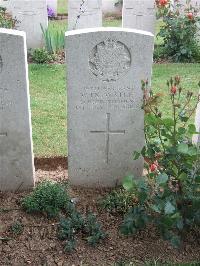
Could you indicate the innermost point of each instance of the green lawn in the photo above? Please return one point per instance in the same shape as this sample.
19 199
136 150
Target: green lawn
48 101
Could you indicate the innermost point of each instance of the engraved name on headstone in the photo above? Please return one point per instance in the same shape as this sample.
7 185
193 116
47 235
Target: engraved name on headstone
105 119
16 156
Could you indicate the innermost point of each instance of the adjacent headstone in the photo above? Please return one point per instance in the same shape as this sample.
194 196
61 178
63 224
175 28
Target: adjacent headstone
139 14
53 4
110 7
84 14
31 14
16 156
196 137
105 119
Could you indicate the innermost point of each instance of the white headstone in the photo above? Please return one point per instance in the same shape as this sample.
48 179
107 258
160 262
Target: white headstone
84 14
139 14
105 119
30 14
53 4
16 156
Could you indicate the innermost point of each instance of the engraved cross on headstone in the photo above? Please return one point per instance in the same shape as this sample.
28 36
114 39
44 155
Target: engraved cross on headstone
107 133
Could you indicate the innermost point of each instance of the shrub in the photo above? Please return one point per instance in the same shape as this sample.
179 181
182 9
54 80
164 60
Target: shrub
179 31
169 194
41 56
118 201
75 223
6 21
47 198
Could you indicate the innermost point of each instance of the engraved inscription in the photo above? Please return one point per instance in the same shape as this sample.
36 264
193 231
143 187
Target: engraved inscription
1 64
107 97
3 134
107 133
109 60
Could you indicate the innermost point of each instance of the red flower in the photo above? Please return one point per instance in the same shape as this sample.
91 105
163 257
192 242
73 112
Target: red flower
163 2
153 167
173 89
190 15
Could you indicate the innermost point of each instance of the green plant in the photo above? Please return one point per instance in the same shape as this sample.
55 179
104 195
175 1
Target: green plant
47 198
54 40
17 228
75 223
6 21
41 56
118 201
169 195
179 31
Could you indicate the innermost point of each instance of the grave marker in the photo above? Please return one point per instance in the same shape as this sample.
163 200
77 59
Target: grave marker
16 157
31 14
105 119
84 14
139 15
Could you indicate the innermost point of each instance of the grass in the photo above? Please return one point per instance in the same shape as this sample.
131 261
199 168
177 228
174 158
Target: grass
48 101
62 6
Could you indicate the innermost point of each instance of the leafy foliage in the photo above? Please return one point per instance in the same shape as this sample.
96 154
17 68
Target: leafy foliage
41 56
118 201
169 195
54 40
179 30
47 198
75 223
6 21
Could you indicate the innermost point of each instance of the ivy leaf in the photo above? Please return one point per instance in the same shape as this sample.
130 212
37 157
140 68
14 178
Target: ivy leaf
162 178
169 208
183 148
128 183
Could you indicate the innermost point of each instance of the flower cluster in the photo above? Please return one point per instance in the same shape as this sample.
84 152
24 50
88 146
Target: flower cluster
50 11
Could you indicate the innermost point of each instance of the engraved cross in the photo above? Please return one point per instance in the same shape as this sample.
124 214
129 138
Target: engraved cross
107 133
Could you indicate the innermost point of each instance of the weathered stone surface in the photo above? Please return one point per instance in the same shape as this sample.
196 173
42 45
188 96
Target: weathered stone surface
16 157
105 119
139 14
30 14
84 14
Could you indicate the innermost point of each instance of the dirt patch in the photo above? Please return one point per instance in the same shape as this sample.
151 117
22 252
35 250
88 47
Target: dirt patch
38 244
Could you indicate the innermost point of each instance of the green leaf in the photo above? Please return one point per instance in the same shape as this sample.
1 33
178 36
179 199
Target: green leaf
182 176
191 129
155 208
183 148
162 178
136 155
168 122
169 208
128 183
192 151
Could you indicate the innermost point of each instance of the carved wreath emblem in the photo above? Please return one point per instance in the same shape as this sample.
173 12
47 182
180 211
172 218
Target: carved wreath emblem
1 64
109 60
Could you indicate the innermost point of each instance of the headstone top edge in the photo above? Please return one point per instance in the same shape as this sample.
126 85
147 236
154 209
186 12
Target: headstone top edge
107 29
13 32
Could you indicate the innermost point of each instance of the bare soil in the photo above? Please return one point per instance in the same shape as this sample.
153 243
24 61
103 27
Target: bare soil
38 243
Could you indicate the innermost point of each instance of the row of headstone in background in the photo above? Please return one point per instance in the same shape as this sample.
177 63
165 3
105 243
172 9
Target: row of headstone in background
16 156
30 14
105 120
137 14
